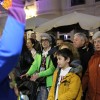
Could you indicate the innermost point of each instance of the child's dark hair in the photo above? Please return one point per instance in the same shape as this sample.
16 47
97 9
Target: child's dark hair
66 53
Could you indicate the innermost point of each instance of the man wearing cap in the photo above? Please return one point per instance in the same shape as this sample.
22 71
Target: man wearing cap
42 68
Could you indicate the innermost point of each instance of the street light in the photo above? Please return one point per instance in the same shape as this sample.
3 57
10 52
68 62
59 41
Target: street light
31 10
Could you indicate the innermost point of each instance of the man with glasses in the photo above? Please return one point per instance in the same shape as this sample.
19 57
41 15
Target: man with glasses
42 68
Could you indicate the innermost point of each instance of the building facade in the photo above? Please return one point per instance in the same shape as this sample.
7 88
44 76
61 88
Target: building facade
54 8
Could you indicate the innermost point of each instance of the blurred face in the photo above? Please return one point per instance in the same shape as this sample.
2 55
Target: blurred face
59 42
25 36
33 36
45 43
29 44
97 44
62 63
78 42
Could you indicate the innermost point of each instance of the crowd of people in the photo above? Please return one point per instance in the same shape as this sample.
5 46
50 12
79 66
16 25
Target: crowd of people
62 72
69 70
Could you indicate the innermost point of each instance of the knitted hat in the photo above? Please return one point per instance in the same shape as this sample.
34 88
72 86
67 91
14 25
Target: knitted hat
46 36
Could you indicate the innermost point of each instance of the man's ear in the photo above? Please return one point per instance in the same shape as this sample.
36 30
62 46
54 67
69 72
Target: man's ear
83 42
68 59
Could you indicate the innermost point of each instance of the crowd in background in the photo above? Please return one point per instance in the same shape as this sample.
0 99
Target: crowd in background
68 70
39 61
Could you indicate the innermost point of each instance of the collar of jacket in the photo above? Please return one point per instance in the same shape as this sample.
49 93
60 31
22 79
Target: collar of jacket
68 76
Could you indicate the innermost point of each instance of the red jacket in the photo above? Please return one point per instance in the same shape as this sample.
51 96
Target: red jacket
91 78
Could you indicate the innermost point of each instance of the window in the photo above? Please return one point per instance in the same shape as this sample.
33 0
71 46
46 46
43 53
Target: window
97 0
77 2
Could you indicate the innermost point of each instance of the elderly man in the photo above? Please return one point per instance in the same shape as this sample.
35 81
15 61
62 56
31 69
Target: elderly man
79 42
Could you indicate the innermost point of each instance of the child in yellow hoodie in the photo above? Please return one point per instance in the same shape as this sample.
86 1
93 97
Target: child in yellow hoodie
66 84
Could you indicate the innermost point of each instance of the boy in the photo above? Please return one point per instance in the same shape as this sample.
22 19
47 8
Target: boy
66 84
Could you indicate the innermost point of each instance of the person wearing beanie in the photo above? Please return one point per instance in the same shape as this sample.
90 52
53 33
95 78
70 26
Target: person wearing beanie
42 69
46 36
52 50
10 46
91 79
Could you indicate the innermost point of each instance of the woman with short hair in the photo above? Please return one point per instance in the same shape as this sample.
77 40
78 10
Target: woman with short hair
91 79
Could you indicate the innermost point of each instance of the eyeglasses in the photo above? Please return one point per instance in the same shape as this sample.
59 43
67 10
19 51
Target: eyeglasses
97 41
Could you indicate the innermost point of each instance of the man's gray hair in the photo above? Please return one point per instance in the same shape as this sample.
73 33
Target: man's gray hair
96 35
81 35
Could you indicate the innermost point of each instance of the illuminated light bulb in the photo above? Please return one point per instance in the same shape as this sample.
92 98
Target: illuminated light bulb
31 11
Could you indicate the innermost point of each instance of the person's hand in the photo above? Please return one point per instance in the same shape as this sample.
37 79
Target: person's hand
34 77
16 91
24 75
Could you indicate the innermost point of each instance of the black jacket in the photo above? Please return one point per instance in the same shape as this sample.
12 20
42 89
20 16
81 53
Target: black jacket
85 55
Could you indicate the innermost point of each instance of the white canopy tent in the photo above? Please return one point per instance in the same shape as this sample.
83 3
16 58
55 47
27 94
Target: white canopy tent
31 23
85 21
35 22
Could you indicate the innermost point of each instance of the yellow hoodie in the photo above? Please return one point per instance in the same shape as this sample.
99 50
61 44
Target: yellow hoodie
70 87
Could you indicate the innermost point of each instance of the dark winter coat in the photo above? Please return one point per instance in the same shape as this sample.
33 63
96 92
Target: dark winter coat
85 55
